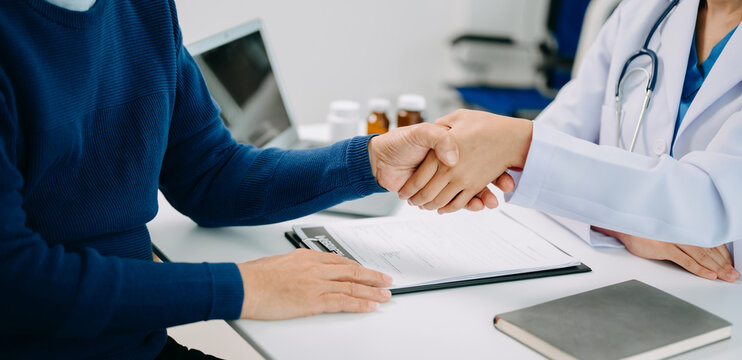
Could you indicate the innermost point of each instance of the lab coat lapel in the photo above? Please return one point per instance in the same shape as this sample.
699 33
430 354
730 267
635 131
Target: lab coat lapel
726 73
673 50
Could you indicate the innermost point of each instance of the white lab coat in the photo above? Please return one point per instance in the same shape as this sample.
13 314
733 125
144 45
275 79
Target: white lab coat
574 169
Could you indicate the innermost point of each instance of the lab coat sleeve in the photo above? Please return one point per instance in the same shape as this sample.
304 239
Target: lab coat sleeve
694 200
577 109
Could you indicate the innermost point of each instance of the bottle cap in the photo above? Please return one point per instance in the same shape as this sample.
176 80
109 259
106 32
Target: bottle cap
412 102
345 109
378 104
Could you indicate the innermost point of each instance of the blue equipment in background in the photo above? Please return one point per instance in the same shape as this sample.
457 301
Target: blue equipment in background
564 24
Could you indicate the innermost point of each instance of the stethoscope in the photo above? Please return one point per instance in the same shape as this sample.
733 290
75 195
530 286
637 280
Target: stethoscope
651 78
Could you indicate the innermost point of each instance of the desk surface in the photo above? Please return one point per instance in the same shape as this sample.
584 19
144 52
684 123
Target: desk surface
443 324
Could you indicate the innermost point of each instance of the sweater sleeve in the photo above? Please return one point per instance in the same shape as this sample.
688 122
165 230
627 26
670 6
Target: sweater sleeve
207 176
51 291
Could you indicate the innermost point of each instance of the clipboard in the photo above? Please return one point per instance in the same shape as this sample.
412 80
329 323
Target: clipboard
295 240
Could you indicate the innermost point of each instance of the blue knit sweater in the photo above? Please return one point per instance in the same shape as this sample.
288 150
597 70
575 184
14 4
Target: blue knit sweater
98 110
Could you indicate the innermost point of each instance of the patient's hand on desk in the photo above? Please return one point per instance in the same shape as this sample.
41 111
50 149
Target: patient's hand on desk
488 145
306 282
710 263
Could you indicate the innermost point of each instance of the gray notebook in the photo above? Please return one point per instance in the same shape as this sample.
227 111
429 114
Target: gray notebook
628 320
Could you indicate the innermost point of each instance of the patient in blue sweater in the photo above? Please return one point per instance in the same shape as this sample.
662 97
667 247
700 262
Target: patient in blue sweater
100 107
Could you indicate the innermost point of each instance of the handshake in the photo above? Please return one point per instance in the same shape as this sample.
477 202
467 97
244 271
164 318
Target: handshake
445 166
448 165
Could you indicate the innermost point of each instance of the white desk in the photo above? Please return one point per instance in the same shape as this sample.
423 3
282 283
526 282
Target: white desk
444 324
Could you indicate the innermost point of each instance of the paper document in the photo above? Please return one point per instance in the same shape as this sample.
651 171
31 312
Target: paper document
429 250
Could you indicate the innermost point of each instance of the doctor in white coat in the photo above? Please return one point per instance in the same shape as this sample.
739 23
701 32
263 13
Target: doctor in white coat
681 184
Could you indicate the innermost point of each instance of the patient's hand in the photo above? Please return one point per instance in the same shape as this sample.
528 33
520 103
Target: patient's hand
395 156
488 144
710 263
307 282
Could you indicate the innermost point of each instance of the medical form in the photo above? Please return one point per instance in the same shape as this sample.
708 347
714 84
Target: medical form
438 249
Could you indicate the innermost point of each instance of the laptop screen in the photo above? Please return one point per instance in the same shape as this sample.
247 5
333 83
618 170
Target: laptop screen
241 80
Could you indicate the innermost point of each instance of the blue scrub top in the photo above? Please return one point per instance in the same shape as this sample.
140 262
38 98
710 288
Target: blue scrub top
695 74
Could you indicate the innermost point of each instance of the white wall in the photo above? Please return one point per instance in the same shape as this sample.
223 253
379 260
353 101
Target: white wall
521 20
333 49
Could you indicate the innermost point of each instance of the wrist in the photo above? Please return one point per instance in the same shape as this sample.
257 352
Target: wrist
228 291
372 157
243 309
249 309
362 160
523 135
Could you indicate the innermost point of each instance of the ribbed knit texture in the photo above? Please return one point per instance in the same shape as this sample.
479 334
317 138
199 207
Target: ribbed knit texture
99 109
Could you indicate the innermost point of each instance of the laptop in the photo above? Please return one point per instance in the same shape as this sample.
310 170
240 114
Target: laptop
241 75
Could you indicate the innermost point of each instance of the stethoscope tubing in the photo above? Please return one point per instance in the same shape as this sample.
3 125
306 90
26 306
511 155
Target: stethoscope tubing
651 82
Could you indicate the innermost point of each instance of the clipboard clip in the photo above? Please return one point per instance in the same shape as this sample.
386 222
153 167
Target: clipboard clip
323 244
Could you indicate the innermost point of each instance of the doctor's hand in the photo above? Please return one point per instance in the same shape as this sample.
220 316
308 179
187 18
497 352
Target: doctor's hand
710 263
487 199
395 156
307 282
489 144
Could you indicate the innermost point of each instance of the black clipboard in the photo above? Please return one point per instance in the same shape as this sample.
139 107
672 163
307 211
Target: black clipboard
581 268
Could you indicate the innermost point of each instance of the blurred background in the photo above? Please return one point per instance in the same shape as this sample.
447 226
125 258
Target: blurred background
332 49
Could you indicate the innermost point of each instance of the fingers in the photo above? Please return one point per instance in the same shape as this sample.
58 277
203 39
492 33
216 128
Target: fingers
421 177
485 198
475 204
444 197
324 257
458 202
307 282
505 182
488 198
707 263
357 274
359 291
437 138
335 302
725 253
353 289
688 263
715 259
344 269
446 150
430 190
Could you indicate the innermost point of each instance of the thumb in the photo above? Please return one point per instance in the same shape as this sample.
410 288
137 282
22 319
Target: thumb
446 150
438 138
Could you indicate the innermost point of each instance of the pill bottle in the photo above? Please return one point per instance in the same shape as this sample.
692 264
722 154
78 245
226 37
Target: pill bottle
377 122
410 109
344 119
